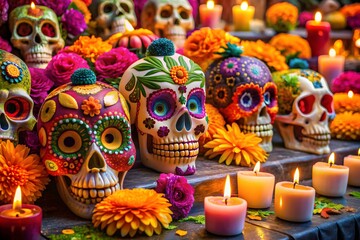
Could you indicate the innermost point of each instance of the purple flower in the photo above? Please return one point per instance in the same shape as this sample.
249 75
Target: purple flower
353 21
73 21
59 7
304 17
62 66
182 89
179 193
4 8
113 64
31 140
163 131
345 82
5 45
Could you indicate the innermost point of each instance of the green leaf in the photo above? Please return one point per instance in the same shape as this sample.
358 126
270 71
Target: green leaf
142 90
158 78
152 72
321 203
170 62
82 232
170 227
151 85
155 62
355 194
143 67
261 213
131 84
183 63
200 219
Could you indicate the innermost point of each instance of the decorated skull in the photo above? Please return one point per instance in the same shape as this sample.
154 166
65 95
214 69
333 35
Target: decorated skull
36 32
16 105
243 91
111 15
305 106
168 19
167 101
85 137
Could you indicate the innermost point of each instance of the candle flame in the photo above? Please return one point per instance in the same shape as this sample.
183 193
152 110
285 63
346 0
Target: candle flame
257 167
332 52
32 5
357 43
128 26
244 5
17 199
210 4
331 159
296 176
350 94
280 203
318 17
359 152
227 190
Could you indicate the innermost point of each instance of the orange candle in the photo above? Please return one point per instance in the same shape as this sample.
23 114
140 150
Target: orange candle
34 11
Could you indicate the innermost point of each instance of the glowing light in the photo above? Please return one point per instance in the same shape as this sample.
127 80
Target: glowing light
257 167
227 190
359 152
350 94
244 5
357 43
210 4
332 52
32 5
331 159
280 202
318 17
17 199
296 176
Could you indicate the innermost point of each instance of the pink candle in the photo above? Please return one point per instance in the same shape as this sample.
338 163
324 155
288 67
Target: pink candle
331 66
210 14
353 162
20 221
226 215
318 35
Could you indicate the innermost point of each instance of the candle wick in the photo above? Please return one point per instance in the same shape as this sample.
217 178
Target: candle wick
256 173
226 200
331 164
294 185
17 215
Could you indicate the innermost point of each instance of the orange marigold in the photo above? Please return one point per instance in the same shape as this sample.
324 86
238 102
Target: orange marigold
179 75
350 10
291 44
265 52
18 168
282 16
89 47
343 103
82 7
346 126
91 106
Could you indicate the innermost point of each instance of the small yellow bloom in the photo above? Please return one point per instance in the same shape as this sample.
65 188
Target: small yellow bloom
179 75
91 106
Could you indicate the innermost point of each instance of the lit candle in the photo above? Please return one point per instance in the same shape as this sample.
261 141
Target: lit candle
294 202
242 16
353 162
331 66
34 11
256 187
318 35
225 216
210 14
350 94
20 221
329 179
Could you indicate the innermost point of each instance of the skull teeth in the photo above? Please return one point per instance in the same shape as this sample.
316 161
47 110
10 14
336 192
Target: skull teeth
38 58
265 130
319 140
89 196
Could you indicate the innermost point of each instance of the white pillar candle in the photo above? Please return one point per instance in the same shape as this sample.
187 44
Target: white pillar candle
353 162
256 187
331 66
329 179
294 202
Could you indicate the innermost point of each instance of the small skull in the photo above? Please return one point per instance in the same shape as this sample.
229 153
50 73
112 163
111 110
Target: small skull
36 34
16 105
110 16
243 91
305 106
85 136
168 19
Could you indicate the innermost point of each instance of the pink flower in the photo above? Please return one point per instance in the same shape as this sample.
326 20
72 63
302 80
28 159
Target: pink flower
5 45
73 21
113 64
4 8
345 82
62 66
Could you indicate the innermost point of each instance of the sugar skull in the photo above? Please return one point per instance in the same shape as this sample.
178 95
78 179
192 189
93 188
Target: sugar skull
305 107
167 101
243 91
16 105
111 15
85 137
36 33
168 19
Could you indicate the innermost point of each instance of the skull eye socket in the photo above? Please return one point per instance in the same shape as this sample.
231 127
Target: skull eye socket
166 12
196 103
69 142
161 104
184 14
125 7
108 8
249 99
270 96
306 104
24 29
326 102
48 30
111 138
17 108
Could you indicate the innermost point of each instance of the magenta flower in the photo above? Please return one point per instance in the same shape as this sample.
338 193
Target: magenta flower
59 7
113 64
62 66
179 193
353 21
304 17
163 131
15 4
4 8
345 82
5 45
74 22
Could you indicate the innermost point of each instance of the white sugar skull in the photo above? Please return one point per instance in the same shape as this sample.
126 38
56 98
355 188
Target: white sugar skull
16 105
305 106
243 91
85 137
168 19
110 16
36 33
167 101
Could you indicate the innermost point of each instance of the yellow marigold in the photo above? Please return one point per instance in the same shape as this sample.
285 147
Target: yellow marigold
232 144
216 120
282 17
266 53
91 106
89 47
131 211
202 45
18 168
343 103
81 6
291 44
350 10
179 75
346 126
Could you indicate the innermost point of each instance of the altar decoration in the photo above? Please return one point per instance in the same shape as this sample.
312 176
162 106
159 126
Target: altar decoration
336 19
166 93
318 35
352 13
179 193
242 16
353 163
347 81
289 44
210 14
282 17
19 168
344 102
85 136
302 126
73 21
131 211
346 126
331 66
304 17
235 146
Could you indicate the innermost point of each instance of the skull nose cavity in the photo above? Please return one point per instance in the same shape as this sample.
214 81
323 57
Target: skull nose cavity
4 125
177 21
96 163
263 112
37 38
183 121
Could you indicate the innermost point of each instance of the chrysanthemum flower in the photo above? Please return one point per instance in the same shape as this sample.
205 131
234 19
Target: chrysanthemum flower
346 126
343 103
282 17
350 10
91 106
18 168
291 44
131 211
232 145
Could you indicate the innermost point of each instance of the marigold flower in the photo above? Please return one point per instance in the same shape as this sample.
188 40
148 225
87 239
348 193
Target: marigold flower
232 144
81 5
18 168
179 75
133 210
346 126
282 17
350 10
290 44
91 106
343 103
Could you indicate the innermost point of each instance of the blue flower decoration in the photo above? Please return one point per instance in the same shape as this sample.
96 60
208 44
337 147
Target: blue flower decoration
317 84
11 72
298 63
